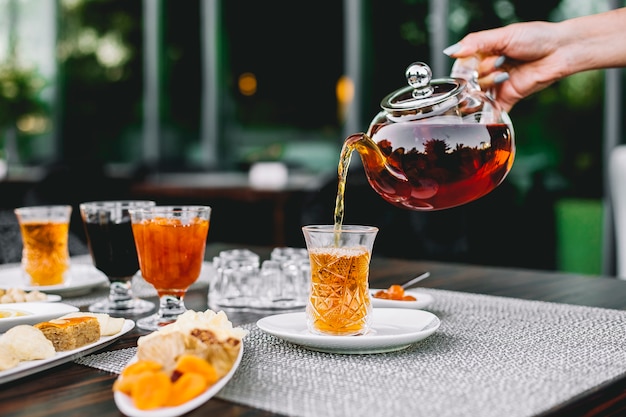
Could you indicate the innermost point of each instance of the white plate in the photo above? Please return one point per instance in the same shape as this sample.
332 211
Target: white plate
422 300
34 313
82 279
31 367
126 406
392 329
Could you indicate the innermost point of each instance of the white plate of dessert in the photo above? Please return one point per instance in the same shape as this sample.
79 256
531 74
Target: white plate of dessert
19 295
13 314
126 406
29 342
212 349
82 278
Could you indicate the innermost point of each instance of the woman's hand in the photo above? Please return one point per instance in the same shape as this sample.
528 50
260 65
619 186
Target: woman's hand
522 58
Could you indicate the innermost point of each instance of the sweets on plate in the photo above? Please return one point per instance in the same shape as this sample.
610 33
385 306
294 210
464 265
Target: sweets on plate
70 333
108 325
25 343
44 340
8 359
181 360
208 335
222 354
18 295
394 292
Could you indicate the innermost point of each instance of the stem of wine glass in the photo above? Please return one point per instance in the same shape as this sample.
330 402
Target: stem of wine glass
120 293
170 307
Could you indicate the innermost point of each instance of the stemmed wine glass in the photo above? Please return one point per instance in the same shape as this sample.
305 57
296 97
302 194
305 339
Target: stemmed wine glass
170 242
112 247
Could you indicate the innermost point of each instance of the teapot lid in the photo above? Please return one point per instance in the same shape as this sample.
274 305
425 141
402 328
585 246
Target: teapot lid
423 94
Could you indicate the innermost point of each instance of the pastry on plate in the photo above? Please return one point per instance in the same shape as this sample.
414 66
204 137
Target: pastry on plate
108 325
71 332
18 295
207 335
8 359
27 343
188 359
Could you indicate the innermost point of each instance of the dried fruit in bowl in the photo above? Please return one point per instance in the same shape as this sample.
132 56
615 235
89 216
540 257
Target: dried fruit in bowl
181 361
150 386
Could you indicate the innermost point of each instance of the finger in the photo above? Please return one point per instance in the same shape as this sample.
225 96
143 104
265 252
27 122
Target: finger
490 64
491 80
506 96
494 78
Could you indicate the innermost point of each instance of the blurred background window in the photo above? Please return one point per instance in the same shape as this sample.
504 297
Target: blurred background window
28 89
281 64
100 81
280 79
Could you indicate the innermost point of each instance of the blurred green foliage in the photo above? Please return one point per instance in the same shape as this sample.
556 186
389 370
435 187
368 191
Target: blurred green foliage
19 93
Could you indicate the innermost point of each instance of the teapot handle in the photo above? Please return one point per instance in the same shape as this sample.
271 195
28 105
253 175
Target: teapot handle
467 68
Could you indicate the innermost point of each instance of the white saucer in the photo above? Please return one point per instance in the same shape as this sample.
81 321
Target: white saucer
82 279
422 300
33 313
126 406
392 329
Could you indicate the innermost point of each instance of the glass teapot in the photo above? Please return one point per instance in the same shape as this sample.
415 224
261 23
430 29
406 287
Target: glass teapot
437 143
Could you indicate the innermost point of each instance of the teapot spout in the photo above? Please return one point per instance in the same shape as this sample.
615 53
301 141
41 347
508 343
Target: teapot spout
382 175
374 160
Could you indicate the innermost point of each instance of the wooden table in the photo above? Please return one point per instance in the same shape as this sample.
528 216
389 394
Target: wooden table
76 390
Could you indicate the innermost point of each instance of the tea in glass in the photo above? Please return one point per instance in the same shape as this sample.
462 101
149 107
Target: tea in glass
45 254
170 242
339 300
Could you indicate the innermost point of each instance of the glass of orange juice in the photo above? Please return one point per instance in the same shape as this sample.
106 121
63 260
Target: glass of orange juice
45 254
170 242
339 300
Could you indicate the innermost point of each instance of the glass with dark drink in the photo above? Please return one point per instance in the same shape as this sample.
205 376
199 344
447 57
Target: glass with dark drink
112 247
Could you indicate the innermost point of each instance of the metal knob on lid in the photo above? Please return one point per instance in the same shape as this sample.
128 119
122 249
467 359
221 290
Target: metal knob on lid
423 95
418 75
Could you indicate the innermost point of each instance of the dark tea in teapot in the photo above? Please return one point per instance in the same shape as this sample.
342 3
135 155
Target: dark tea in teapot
436 171
437 144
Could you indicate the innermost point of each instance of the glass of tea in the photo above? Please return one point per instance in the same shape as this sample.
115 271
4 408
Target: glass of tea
339 300
170 242
45 253
112 247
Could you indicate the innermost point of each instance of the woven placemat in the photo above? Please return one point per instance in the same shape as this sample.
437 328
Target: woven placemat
492 356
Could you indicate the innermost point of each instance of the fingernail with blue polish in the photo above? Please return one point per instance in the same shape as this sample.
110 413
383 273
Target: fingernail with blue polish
501 77
452 49
499 61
